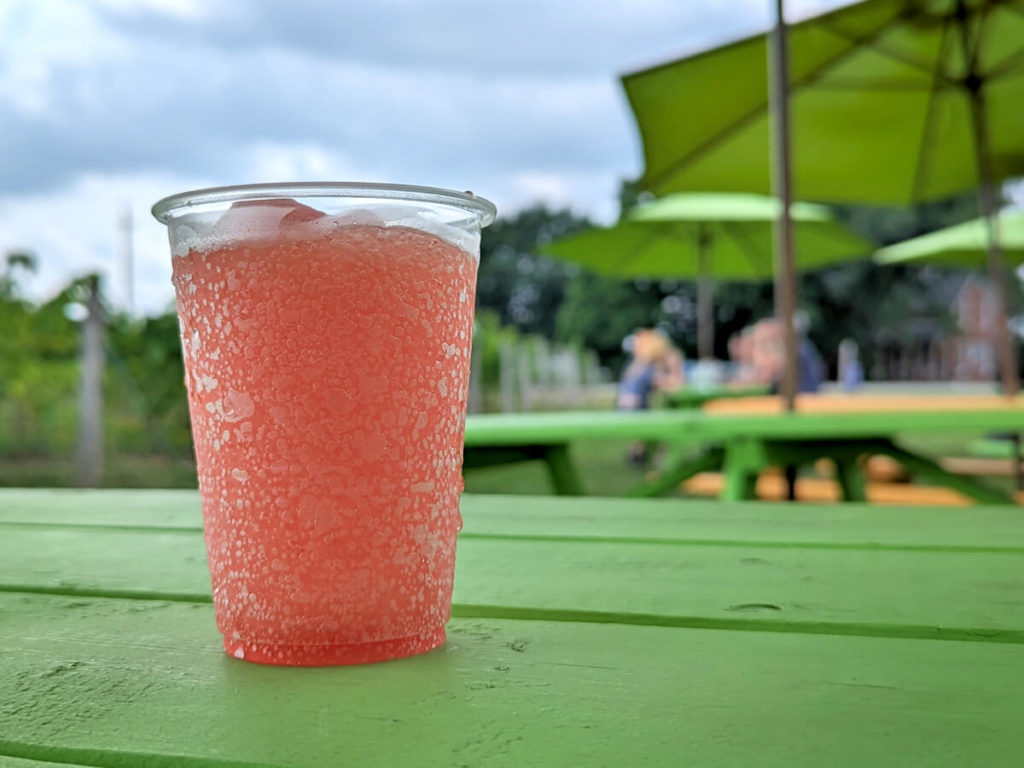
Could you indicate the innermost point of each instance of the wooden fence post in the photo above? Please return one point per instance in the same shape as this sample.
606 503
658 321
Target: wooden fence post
89 458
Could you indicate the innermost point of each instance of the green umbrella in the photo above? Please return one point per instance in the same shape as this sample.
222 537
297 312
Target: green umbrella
963 245
710 237
891 101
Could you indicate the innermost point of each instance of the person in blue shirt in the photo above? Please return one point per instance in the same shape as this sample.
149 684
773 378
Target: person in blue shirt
851 371
769 356
656 366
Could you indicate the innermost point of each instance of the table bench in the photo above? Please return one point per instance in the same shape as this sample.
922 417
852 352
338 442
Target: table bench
741 443
585 632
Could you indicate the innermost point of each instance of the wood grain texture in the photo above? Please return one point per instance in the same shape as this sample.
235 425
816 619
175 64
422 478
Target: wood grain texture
595 632
145 684
17 762
922 592
569 426
151 508
689 520
861 402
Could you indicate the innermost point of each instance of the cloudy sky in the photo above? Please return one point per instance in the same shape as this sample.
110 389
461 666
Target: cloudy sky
108 105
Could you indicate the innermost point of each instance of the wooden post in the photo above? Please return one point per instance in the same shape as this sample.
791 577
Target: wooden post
525 368
705 296
974 84
1005 352
785 279
89 459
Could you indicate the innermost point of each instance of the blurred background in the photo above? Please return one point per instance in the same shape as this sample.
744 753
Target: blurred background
108 105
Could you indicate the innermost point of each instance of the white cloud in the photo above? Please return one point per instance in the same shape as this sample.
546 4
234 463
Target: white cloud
192 10
74 231
107 103
1015 192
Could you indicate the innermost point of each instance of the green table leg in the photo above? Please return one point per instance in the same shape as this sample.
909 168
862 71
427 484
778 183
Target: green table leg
678 471
744 459
931 470
565 478
850 477
739 484
790 472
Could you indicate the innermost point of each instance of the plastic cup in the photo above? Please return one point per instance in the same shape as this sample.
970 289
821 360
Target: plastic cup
326 332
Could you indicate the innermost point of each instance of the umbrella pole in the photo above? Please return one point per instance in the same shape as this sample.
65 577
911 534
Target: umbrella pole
785 282
996 268
705 297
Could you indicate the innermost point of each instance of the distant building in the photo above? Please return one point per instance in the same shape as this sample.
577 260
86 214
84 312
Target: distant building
959 347
975 311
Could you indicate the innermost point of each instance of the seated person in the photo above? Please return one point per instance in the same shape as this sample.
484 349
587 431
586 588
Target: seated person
656 366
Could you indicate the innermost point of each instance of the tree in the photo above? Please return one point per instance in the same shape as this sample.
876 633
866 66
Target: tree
869 303
523 287
599 313
17 264
37 360
147 370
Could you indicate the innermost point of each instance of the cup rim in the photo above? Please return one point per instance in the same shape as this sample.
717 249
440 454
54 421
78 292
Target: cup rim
164 210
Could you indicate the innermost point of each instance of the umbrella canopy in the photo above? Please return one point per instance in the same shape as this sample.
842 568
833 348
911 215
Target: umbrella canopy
880 98
709 237
963 245
890 101
727 237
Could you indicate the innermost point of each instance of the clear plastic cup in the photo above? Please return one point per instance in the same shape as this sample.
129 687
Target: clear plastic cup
326 331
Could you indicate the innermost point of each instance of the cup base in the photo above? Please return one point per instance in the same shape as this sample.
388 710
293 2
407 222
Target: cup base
334 655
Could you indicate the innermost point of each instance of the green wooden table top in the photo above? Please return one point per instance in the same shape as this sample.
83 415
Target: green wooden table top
586 631
567 426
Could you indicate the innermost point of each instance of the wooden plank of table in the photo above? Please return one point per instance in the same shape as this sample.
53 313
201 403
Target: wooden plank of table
556 427
571 426
861 402
114 683
17 762
919 592
853 425
660 520
152 508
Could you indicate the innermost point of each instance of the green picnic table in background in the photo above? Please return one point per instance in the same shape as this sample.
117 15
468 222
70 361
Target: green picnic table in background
740 444
585 631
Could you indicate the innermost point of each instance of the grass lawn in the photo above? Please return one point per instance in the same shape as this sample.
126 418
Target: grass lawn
119 472
602 465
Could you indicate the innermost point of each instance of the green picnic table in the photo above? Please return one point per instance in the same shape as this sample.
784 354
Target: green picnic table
586 632
738 444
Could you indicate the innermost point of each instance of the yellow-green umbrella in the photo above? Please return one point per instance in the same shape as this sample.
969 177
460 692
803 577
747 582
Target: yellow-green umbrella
891 101
708 237
962 245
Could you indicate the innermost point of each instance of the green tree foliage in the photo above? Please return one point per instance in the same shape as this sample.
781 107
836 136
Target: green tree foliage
524 289
146 410
37 372
145 369
873 304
